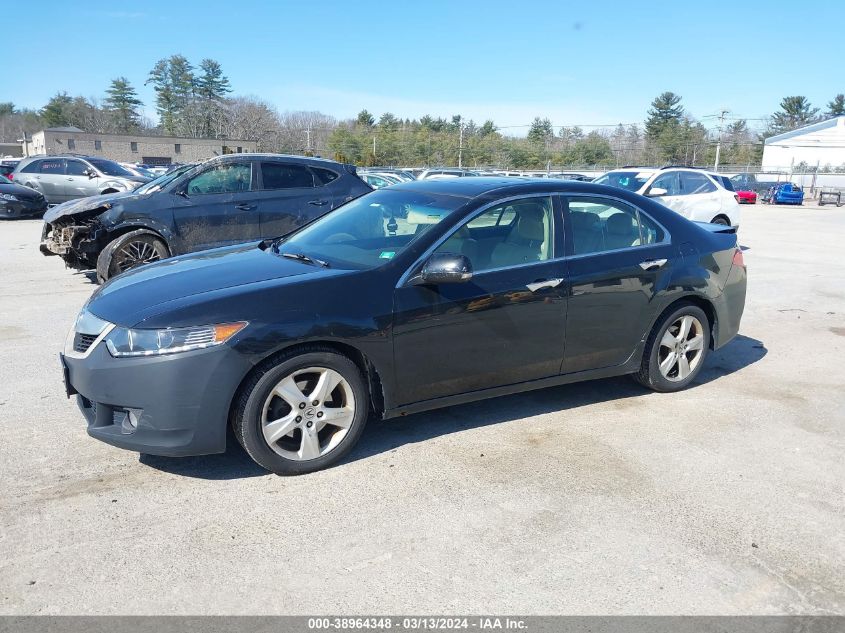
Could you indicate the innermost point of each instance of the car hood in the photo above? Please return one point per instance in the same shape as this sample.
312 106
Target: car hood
138 294
22 192
91 203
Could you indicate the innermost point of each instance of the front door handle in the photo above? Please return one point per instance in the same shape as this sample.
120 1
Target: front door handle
543 283
653 264
243 206
318 203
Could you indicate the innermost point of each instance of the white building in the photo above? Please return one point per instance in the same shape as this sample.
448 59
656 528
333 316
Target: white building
820 144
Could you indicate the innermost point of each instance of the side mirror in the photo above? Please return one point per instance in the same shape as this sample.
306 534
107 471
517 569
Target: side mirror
91 173
654 192
445 268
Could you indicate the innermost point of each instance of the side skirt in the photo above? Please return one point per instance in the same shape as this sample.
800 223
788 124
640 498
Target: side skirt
631 366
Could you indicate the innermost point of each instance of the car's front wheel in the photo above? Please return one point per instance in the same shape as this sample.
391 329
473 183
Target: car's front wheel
676 349
128 251
302 412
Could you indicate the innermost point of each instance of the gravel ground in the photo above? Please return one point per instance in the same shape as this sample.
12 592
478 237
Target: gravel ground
592 498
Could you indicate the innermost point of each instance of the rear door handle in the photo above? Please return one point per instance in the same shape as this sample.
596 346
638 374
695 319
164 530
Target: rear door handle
653 264
243 206
318 203
543 283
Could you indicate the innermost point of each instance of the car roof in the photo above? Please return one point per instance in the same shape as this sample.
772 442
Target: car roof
270 156
504 185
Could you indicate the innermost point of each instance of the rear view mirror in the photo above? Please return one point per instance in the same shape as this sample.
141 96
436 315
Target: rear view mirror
446 268
656 191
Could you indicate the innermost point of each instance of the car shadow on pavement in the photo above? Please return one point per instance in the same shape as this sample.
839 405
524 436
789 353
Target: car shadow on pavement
384 437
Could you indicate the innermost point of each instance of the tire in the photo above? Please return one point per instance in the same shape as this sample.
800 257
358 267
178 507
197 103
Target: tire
720 220
651 374
260 406
116 257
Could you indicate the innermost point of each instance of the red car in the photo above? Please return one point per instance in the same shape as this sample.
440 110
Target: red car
746 197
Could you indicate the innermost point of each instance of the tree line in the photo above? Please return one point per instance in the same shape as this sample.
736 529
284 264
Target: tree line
197 102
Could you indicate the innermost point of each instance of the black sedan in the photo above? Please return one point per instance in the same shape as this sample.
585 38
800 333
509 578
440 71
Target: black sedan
423 295
17 201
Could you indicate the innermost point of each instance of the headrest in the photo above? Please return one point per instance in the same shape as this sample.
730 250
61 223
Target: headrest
529 224
583 220
620 224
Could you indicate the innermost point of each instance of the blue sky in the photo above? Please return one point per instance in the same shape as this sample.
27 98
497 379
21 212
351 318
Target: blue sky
584 63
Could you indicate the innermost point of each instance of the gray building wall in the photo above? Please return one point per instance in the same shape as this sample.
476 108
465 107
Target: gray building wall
136 149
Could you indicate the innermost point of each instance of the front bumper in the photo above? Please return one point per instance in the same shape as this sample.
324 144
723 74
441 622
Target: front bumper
22 208
173 405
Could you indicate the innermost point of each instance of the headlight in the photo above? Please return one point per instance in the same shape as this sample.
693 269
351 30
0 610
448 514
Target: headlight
8 196
129 342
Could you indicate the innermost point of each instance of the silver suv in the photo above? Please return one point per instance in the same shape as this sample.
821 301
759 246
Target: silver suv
67 177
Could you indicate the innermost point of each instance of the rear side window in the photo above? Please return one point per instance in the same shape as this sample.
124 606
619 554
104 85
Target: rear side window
323 176
726 183
52 167
285 176
32 168
692 184
598 225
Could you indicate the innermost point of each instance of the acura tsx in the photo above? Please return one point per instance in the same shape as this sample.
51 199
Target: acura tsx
426 294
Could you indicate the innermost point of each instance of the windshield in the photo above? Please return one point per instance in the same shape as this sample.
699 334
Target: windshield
163 180
630 180
370 230
110 168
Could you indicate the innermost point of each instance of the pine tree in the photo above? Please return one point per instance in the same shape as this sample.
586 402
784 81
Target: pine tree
794 112
666 110
166 106
123 103
56 112
365 118
837 106
212 86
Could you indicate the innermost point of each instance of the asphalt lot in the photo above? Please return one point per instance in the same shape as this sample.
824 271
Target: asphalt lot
728 498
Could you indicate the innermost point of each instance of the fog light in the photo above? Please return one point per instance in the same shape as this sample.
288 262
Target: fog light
130 420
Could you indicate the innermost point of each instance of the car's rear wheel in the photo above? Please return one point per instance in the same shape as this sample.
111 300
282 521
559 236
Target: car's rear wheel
128 251
676 349
721 220
303 412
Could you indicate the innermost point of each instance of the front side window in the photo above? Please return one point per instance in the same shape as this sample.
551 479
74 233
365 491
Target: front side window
508 234
669 182
52 166
630 180
227 178
110 168
692 184
598 225
371 230
285 176
76 168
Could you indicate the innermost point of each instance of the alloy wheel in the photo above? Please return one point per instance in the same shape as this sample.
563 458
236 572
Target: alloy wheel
681 348
134 254
308 413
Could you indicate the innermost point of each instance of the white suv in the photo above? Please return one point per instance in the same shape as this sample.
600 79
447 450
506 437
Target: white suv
696 194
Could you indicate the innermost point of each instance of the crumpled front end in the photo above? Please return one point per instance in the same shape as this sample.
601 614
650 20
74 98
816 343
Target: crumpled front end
74 238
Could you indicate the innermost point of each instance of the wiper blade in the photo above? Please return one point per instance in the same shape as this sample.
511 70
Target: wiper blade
304 258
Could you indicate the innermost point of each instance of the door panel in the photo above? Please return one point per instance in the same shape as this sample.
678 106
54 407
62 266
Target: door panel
220 208
288 198
505 325
611 291
77 184
490 331
51 179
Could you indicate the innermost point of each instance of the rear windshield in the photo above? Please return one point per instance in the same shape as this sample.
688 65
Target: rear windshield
630 180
